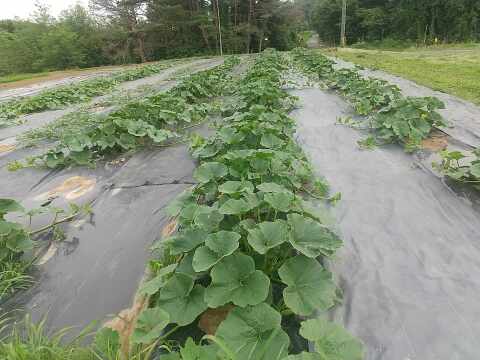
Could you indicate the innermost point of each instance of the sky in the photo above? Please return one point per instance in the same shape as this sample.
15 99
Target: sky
24 8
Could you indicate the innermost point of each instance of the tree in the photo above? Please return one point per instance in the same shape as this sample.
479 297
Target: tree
126 14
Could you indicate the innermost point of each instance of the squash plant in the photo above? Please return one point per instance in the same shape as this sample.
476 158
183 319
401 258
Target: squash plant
154 120
73 93
455 167
392 117
16 241
248 238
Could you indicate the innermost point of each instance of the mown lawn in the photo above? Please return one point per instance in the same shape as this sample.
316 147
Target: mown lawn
455 71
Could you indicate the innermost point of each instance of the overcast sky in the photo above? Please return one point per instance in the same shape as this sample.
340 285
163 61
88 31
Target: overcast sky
24 8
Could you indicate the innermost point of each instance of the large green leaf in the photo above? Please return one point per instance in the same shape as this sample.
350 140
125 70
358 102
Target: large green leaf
267 235
174 208
310 238
332 340
235 207
6 227
271 141
181 299
150 325
192 351
254 333
9 205
272 188
210 171
281 201
236 187
152 286
475 170
310 286
234 279
185 266
186 241
217 246
19 240
207 218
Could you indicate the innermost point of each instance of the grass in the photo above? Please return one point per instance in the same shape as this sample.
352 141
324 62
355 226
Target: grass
17 77
30 341
13 276
451 69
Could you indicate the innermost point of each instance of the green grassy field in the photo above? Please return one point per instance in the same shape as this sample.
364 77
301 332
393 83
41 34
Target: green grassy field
17 77
454 70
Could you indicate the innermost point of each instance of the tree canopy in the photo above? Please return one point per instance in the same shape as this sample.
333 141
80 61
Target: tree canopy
125 31
421 21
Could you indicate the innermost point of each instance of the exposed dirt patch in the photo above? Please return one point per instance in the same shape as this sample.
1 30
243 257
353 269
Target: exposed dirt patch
5 148
170 228
70 189
211 319
124 323
436 142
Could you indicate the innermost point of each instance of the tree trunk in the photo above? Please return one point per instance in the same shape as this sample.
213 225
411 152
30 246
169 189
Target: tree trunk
343 39
251 16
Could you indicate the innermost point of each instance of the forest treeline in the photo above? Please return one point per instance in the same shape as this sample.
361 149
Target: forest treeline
126 31
418 21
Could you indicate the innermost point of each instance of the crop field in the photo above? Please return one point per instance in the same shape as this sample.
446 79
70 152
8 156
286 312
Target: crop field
271 206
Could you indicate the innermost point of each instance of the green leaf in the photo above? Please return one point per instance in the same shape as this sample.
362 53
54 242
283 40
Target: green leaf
192 351
127 141
210 171
185 241
6 227
186 267
107 342
230 135
181 201
9 205
218 245
208 218
159 135
236 187
310 238
234 279
332 340
81 157
150 325
234 207
254 333
19 241
272 188
310 286
401 129
188 212
268 235
305 356
280 201
271 141
475 170
183 301
152 286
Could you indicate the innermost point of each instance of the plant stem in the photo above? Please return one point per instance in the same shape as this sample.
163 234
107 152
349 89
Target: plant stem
170 332
54 223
